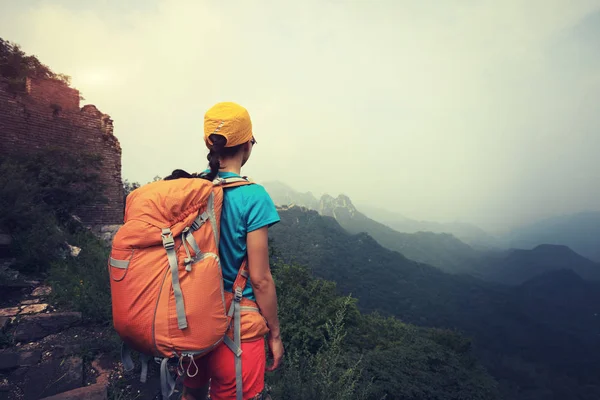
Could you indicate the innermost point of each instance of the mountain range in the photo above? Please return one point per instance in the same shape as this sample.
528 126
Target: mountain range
443 250
538 337
282 194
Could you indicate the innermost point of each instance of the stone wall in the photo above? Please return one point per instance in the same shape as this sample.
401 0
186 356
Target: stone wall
49 114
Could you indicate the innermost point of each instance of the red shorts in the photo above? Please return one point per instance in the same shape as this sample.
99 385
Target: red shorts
219 367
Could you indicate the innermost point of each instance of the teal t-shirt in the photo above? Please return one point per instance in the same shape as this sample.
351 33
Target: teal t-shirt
245 209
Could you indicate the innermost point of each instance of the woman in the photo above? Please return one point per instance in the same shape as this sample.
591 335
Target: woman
247 213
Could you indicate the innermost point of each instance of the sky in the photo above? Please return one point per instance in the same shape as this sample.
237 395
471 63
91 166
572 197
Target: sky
456 110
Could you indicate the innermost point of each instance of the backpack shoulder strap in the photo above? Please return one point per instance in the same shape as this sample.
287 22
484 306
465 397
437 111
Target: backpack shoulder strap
235 313
232 182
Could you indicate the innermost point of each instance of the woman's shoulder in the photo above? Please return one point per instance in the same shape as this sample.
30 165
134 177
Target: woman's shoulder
255 192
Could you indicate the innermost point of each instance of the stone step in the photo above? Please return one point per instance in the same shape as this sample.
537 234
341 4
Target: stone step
9 311
34 327
41 291
15 359
92 392
48 378
33 309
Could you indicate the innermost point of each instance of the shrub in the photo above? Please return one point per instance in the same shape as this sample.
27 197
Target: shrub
81 283
38 197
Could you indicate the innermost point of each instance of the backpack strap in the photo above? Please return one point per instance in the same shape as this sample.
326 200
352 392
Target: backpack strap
234 181
235 311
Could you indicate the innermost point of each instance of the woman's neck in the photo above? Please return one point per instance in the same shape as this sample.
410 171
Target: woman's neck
232 165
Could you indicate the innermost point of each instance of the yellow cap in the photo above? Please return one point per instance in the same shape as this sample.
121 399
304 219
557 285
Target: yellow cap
229 120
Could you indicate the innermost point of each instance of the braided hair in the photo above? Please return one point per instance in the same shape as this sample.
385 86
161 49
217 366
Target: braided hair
217 151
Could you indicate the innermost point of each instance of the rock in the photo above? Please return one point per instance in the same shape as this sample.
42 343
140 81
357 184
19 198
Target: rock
5 239
9 312
106 237
4 323
103 367
4 385
20 372
12 359
6 273
92 392
9 360
29 302
41 291
34 309
53 377
110 228
106 232
33 327
74 250
66 350
29 358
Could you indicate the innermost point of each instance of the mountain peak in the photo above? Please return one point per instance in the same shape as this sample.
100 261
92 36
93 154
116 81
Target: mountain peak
330 205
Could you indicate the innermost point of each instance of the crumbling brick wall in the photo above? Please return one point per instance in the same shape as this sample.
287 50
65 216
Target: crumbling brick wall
49 113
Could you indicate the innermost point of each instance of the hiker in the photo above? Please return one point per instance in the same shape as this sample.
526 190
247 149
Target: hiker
247 213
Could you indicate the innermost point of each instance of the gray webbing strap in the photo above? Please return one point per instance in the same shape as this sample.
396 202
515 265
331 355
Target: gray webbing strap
126 357
225 181
167 383
169 245
122 264
144 359
187 261
237 341
199 221
232 346
189 238
213 217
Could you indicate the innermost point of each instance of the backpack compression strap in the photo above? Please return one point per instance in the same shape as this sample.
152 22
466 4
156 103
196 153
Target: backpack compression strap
235 311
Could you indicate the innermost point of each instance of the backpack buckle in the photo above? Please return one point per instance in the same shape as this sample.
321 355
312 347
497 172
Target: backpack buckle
237 296
167 239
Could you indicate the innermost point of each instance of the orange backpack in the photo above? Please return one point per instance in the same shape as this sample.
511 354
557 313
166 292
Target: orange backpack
166 282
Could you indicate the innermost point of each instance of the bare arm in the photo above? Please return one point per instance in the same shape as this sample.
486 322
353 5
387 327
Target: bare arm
264 290
260 275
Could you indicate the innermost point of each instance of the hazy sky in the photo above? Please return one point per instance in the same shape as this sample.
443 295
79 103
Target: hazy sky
479 111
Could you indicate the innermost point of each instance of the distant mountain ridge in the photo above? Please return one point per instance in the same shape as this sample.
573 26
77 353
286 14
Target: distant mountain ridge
283 194
468 233
442 250
516 266
580 231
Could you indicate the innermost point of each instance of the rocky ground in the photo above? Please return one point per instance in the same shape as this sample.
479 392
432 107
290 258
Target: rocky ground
48 353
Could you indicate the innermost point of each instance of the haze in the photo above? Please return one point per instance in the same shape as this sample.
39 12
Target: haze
483 112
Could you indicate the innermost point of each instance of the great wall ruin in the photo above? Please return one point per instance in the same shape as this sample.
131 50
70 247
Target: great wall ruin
48 112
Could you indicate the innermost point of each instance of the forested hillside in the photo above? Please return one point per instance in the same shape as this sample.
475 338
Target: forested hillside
529 345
